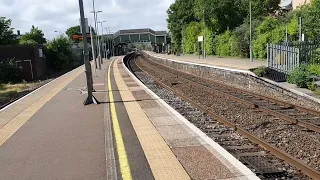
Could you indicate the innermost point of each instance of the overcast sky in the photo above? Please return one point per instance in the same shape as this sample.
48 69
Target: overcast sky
58 15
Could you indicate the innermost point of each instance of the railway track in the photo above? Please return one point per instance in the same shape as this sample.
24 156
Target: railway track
243 147
294 114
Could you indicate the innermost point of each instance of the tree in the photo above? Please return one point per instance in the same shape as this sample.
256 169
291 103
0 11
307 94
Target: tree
6 32
263 7
180 14
73 30
35 34
59 53
310 15
28 41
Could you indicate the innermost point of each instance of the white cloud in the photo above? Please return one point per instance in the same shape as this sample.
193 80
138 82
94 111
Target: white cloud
58 15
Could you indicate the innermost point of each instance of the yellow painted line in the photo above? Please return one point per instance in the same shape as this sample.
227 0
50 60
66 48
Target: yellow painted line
17 122
163 163
122 154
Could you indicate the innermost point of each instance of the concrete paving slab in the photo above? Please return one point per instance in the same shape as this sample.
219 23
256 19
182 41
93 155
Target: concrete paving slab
175 132
156 112
68 144
148 103
201 164
164 120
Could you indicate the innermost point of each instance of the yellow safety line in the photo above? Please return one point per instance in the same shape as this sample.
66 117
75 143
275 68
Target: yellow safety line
122 154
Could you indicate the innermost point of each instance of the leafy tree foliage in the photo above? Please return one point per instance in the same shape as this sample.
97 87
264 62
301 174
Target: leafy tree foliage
227 25
59 53
73 30
190 37
310 15
28 41
180 14
35 34
6 32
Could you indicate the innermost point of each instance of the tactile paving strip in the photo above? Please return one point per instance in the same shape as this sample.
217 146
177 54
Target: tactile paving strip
162 161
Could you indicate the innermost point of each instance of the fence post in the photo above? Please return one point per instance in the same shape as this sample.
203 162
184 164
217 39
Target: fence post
299 55
268 58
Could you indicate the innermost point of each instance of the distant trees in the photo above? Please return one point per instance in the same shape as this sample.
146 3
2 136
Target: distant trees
227 25
6 32
73 30
58 52
35 36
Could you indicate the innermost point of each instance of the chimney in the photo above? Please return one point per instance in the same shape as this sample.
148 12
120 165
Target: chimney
18 32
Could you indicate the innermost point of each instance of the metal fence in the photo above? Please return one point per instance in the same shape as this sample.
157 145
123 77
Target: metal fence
309 51
287 57
283 58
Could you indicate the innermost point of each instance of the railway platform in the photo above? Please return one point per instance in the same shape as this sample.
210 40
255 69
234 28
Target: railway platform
131 134
232 63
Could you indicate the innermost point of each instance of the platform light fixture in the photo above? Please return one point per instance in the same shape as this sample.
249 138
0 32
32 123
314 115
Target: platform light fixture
95 17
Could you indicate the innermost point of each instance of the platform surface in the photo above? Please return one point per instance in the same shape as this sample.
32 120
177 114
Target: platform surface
131 134
233 63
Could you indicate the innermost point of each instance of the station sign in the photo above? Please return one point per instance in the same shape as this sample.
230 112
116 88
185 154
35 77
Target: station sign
200 39
77 37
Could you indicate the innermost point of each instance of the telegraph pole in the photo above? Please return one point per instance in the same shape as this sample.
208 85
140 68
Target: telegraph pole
93 52
251 55
101 22
204 38
287 34
300 29
95 14
90 99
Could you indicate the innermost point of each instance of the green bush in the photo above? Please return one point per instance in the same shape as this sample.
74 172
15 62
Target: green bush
260 71
226 44
59 53
315 58
9 72
260 45
269 24
312 86
210 43
314 69
300 76
190 37
28 41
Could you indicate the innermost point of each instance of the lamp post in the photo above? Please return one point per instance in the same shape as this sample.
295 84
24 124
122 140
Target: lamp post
101 22
58 32
90 99
204 36
95 16
111 42
108 41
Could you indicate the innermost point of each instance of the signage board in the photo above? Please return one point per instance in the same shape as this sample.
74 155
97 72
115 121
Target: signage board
200 38
78 37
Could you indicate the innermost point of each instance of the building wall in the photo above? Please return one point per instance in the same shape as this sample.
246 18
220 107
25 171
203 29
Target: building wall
297 3
27 57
